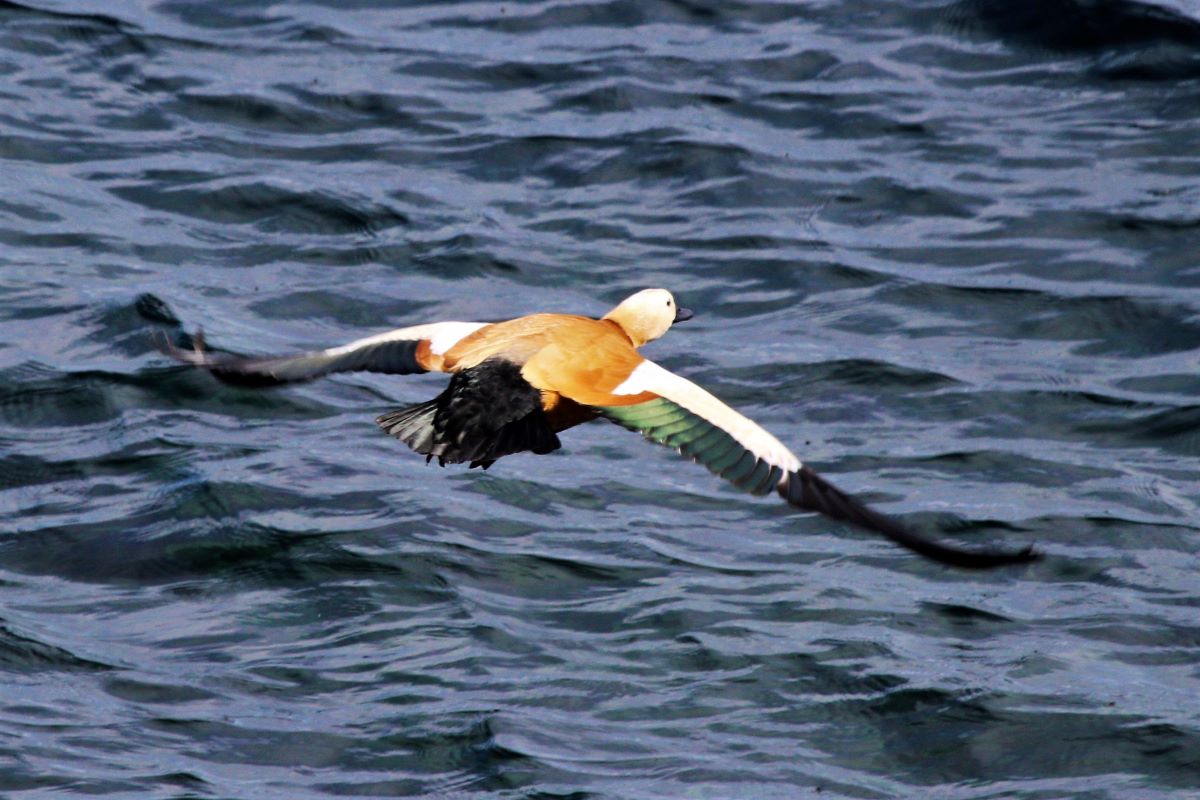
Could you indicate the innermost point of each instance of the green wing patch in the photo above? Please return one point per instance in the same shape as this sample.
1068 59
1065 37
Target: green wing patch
668 423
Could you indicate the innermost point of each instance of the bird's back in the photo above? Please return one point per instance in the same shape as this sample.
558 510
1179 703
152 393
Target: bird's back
521 340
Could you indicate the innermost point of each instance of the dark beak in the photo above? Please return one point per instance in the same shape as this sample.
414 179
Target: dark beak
682 314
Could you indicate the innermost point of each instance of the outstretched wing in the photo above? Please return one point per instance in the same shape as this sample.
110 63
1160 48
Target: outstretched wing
673 411
400 352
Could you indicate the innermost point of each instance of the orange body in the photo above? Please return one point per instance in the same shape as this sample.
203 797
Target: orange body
559 354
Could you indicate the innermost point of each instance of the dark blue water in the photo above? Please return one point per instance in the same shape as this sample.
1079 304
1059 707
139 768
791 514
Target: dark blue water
949 252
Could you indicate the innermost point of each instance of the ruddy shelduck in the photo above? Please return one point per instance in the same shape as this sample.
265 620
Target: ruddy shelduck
515 385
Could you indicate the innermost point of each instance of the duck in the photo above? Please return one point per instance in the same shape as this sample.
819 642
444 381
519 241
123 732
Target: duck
515 385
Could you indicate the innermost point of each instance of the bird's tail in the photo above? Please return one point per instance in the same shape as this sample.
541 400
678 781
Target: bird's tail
413 425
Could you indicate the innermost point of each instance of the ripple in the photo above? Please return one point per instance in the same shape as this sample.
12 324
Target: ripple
22 654
1071 25
947 250
269 207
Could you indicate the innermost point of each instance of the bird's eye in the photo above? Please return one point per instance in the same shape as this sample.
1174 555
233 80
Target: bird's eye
668 302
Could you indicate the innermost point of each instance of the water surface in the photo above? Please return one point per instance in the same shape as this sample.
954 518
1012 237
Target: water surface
947 251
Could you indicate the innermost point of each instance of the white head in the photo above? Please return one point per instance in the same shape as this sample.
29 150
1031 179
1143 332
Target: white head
647 315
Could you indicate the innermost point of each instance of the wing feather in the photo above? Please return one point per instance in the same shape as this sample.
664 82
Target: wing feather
400 352
686 417
702 408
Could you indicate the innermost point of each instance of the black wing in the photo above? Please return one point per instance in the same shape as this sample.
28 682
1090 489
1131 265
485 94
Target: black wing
805 489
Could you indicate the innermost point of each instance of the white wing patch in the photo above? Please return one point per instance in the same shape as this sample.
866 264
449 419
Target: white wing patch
650 377
441 335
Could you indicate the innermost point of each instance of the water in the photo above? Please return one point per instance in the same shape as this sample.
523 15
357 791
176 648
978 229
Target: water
946 251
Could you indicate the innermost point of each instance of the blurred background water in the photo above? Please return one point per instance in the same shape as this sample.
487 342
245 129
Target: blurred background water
947 250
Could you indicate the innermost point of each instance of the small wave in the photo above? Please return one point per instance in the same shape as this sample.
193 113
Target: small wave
1130 40
267 206
23 654
1081 25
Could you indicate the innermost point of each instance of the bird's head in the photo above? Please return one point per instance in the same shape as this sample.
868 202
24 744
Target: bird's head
647 315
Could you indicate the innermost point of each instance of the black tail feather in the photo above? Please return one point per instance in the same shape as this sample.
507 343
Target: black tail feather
486 412
413 425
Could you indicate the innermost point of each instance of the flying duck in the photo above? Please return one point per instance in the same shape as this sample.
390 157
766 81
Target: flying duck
515 385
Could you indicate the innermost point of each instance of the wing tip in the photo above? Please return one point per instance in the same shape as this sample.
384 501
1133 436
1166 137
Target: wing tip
805 489
229 369
197 356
